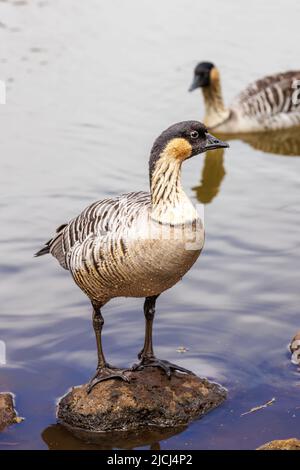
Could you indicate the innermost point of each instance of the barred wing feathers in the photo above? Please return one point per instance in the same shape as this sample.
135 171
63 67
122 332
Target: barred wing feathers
271 96
94 223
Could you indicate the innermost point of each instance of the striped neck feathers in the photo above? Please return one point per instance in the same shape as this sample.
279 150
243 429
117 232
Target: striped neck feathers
215 111
170 204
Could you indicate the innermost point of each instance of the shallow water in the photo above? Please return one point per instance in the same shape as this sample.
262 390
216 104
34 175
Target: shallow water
89 88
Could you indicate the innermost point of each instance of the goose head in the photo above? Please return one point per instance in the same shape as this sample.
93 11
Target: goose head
205 74
176 144
206 77
182 141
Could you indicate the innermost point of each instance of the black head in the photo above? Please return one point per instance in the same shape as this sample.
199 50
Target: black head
182 141
202 75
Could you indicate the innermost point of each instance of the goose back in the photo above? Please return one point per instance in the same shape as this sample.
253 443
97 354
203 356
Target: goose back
97 219
269 103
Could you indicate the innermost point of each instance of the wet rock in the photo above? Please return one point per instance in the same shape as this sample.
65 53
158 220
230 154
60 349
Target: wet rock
284 444
8 413
295 349
150 399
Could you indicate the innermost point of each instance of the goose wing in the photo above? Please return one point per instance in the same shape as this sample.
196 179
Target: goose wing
270 96
108 215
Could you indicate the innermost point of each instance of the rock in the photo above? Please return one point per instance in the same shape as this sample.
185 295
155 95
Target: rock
150 399
295 349
8 413
285 444
295 343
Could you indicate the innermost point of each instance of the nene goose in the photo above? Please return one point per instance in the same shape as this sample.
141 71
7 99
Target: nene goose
270 103
138 244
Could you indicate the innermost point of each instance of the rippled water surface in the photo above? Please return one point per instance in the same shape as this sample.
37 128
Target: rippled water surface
89 87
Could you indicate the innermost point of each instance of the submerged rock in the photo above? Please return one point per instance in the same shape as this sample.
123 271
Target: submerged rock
149 399
284 444
8 413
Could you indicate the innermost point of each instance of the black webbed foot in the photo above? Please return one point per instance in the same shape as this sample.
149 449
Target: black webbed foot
166 366
107 373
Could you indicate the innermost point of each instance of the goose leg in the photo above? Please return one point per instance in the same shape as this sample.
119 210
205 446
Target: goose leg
146 355
104 370
149 312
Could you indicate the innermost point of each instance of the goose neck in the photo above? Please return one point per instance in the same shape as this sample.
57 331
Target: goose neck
170 204
215 110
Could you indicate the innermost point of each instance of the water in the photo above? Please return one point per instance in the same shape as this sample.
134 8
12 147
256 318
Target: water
89 88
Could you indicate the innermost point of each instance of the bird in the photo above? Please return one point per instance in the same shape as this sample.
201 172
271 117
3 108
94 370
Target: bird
271 103
138 244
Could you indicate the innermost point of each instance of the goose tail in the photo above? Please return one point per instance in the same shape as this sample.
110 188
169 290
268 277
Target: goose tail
54 246
44 251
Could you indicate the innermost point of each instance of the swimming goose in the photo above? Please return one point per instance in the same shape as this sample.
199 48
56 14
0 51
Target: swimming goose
138 244
270 103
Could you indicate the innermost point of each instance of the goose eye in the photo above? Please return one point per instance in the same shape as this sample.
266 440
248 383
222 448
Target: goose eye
194 135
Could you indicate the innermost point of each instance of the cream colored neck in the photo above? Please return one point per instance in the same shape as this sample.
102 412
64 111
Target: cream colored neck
215 111
170 204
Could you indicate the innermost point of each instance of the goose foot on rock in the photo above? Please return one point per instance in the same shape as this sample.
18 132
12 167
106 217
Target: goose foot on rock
106 373
166 366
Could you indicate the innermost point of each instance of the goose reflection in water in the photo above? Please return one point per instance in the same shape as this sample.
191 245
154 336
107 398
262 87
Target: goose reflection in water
285 142
212 176
57 437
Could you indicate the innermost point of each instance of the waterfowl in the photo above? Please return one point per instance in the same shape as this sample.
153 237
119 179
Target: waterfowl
270 103
138 244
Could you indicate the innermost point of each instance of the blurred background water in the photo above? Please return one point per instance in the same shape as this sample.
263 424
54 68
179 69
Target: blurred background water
90 85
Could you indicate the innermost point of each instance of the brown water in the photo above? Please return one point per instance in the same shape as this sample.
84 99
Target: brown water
90 85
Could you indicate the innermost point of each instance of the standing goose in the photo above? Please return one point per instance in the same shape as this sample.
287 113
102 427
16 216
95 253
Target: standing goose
138 244
270 103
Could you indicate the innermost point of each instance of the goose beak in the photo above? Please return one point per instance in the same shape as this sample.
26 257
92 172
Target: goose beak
196 83
214 143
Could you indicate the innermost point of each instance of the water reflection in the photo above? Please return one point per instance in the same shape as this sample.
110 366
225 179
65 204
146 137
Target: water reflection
57 437
285 142
212 176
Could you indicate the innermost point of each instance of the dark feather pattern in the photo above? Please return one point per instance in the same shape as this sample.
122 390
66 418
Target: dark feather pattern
270 101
